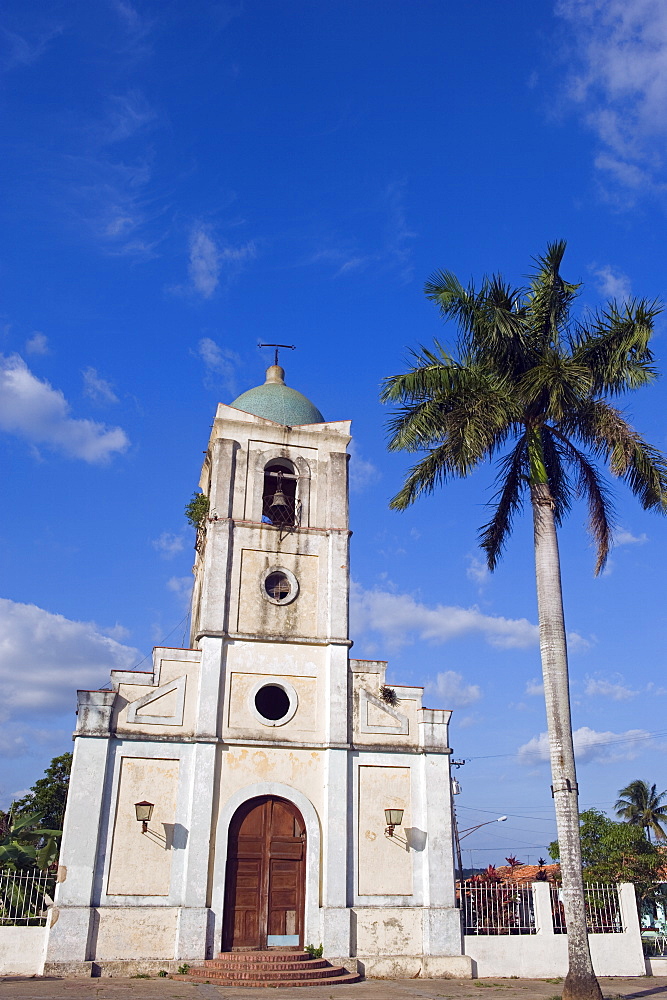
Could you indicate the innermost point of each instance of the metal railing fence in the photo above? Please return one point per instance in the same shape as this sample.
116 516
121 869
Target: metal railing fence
603 909
25 897
502 908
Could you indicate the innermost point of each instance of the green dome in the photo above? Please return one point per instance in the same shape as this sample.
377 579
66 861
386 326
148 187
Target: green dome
278 402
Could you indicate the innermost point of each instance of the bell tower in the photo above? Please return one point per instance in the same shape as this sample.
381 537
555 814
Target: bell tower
271 569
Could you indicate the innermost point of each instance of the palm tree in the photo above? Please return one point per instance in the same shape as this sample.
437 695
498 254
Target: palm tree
529 376
640 805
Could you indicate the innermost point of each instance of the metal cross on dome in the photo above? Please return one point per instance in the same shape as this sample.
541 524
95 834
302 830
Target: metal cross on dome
287 347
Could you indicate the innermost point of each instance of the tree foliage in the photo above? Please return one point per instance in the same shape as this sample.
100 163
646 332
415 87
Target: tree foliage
641 805
616 852
529 386
48 796
197 509
30 832
25 844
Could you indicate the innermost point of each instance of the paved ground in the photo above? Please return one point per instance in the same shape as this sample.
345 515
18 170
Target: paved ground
12 988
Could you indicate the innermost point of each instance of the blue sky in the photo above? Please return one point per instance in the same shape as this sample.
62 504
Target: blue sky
183 180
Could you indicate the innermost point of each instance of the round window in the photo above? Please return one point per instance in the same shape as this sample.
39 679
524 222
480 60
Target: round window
273 701
279 586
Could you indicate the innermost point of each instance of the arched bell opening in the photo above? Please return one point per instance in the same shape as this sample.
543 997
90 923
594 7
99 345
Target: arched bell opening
280 503
265 877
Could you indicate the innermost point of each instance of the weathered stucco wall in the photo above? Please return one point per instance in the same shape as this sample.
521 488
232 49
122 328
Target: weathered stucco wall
299 769
303 666
22 950
134 932
141 862
389 930
256 614
385 863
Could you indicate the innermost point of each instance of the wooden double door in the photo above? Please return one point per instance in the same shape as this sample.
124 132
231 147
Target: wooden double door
266 876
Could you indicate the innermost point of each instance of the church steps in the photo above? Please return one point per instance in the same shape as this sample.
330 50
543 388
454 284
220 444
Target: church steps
268 969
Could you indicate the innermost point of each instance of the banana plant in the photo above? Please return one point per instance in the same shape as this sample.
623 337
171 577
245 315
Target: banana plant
24 846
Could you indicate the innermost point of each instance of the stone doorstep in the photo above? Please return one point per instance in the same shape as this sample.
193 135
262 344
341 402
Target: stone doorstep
226 963
265 957
256 972
348 977
268 969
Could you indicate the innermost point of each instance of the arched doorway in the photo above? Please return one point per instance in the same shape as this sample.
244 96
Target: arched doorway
265 880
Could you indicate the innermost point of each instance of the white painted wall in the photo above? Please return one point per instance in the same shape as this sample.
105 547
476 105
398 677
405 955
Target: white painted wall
22 950
544 954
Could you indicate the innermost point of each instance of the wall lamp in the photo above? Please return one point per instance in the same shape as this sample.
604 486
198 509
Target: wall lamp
144 811
393 817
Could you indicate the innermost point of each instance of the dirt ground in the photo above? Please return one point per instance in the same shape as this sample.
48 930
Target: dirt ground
15 988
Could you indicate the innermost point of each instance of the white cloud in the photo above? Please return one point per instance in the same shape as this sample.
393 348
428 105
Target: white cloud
22 51
34 410
624 537
116 631
362 472
128 114
576 643
44 658
611 282
477 570
207 260
615 690
619 81
182 587
220 364
169 544
37 344
97 388
401 620
534 687
589 745
450 688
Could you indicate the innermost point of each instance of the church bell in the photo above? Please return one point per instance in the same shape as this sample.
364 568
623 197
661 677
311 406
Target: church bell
279 498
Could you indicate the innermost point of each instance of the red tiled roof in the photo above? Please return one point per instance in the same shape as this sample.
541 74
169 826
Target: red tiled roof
529 873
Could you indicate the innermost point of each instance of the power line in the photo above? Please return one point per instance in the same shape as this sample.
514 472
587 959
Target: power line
492 812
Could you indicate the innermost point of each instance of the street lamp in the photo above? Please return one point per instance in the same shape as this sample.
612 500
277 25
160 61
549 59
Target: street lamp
471 829
459 835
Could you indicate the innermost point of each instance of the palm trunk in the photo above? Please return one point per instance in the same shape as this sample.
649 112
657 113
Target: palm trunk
580 983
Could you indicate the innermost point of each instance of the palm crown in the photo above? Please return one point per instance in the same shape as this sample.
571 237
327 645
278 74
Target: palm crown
529 374
640 804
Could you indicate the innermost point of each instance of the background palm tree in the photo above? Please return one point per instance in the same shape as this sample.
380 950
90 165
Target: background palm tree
639 803
525 375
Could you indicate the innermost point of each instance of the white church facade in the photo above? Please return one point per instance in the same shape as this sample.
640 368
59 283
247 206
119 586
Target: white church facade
264 756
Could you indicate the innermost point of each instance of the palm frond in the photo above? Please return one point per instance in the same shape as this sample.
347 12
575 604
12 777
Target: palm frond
555 385
468 408
606 431
550 297
560 486
512 475
432 471
595 491
491 321
614 345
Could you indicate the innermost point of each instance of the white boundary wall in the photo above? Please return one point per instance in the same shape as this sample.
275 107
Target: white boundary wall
544 954
22 950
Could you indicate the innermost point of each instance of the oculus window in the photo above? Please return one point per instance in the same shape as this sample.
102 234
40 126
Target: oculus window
279 586
273 701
